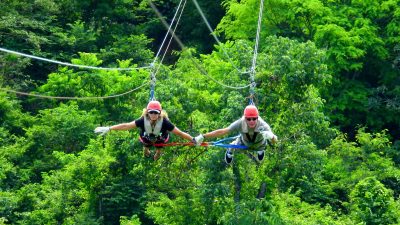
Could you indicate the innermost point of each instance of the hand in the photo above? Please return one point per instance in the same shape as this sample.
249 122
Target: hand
274 139
102 130
198 140
267 135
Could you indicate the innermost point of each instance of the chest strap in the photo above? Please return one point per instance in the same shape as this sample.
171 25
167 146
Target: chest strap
149 129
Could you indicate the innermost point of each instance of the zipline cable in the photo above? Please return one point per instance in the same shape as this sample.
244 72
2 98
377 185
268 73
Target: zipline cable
168 30
171 37
154 73
152 82
69 64
254 61
215 37
72 98
182 46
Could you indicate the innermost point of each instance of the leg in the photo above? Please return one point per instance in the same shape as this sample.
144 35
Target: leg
229 152
163 140
146 146
157 155
261 153
228 156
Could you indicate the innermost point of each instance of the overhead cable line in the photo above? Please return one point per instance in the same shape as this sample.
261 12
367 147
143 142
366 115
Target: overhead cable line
171 37
69 64
215 37
254 61
72 98
182 46
152 82
155 71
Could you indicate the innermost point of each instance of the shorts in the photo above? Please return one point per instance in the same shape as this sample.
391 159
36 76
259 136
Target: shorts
150 142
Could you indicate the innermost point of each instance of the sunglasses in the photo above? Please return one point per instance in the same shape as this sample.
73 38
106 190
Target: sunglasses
153 112
252 119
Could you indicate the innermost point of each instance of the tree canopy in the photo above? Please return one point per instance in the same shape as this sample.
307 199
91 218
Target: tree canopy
326 80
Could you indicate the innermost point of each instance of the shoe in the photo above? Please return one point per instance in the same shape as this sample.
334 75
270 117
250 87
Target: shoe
228 156
260 155
157 155
146 152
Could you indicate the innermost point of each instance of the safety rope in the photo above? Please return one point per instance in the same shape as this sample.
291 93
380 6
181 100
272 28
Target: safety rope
155 71
72 98
206 144
152 74
170 39
254 61
69 64
182 46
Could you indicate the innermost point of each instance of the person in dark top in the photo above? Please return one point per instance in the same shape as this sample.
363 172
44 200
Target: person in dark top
154 127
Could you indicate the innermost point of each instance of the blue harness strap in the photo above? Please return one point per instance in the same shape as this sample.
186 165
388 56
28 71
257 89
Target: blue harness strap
220 144
225 139
231 146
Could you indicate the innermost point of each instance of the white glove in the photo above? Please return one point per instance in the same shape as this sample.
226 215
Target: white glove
199 139
267 135
102 130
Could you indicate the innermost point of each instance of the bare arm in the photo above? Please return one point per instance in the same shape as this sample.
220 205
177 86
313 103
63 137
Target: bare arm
182 134
216 133
124 126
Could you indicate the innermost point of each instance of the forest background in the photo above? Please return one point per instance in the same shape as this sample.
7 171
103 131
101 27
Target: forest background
327 81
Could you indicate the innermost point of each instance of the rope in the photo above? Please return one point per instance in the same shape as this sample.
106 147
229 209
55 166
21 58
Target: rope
205 144
152 85
72 98
213 34
153 73
68 64
254 61
173 32
182 46
152 82
168 31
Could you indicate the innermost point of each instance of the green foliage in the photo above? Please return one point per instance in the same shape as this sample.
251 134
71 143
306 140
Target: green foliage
67 195
372 203
132 48
349 163
11 116
24 24
11 73
134 220
294 211
79 37
168 211
64 128
314 57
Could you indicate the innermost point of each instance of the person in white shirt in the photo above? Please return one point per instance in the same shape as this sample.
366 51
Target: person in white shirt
254 133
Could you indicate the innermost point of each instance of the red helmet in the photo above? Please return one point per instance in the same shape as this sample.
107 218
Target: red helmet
250 111
154 106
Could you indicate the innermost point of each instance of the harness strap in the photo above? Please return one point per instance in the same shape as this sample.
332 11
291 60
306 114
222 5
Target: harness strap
251 139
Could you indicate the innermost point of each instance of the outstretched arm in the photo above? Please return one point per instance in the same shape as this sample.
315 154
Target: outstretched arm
124 126
182 134
216 133
268 135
